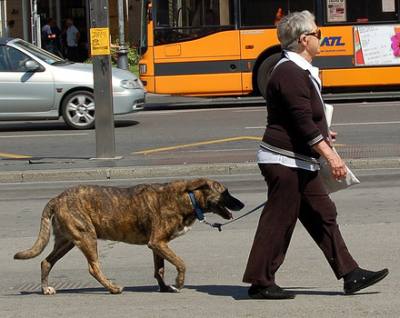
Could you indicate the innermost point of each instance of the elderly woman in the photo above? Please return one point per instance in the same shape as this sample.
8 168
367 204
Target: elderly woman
295 137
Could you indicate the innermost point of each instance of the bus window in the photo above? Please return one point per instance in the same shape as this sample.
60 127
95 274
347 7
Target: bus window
193 13
178 20
261 13
268 13
300 5
364 11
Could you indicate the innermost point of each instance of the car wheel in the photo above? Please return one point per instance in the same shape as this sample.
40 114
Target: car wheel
78 110
264 72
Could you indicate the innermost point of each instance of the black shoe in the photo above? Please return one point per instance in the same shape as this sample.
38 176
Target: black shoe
270 292
361 278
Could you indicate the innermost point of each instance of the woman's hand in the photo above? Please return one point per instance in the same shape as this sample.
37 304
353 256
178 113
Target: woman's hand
338 167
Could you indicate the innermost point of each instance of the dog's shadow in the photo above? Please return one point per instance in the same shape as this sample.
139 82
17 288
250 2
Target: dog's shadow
96 290
234 291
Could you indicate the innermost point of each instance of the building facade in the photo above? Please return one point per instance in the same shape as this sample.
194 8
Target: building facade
16 17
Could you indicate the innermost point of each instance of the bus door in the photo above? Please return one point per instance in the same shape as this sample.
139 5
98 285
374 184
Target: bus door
196 47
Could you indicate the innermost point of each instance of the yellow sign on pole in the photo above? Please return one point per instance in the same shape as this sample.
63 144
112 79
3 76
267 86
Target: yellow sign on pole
100 41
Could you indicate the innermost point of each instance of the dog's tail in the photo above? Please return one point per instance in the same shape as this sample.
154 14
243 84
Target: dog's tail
44 234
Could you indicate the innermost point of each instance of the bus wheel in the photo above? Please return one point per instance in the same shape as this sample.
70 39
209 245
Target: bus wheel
264 72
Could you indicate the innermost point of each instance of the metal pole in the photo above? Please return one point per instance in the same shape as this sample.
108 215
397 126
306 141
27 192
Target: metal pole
122 49
33 19
25 18
102 76
3 27
35 25
38 26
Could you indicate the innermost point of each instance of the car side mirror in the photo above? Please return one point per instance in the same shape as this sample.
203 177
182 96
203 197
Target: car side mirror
32 66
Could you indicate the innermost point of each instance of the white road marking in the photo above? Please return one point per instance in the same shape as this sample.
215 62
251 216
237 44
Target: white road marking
379 105
345 124
368 123
222 150
220 109
44 135
180 111
260 109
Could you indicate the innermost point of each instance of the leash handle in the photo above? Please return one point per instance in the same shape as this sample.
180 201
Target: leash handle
218 226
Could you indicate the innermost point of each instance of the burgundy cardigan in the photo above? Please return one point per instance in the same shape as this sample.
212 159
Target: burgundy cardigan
296 119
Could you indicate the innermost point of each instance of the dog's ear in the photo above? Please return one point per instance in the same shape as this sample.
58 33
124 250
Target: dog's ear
204 183
198 184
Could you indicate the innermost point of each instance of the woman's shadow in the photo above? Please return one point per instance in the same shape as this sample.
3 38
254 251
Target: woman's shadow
240 292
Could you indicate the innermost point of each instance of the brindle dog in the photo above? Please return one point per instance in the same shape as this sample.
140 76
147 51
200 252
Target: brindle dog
151 214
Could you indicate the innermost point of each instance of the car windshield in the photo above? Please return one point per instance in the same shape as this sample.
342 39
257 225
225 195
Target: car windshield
43 55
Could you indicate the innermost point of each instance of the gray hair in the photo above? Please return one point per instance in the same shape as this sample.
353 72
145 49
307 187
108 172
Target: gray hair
292 26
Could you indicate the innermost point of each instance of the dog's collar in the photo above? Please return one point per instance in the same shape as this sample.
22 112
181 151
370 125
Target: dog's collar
197 209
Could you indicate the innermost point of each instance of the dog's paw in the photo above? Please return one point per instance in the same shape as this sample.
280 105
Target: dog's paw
48 290
169 289
116 290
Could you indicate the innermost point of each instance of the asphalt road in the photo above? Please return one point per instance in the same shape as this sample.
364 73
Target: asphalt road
366 130
368 215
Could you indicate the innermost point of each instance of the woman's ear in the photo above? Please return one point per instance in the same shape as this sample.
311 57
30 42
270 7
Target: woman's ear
303 40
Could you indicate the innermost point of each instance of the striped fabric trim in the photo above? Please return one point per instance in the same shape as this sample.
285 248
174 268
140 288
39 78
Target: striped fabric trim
288 153
315 140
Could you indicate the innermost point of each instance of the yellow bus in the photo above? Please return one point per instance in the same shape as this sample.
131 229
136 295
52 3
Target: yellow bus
228 47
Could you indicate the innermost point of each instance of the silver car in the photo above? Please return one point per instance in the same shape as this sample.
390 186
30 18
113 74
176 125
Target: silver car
35 84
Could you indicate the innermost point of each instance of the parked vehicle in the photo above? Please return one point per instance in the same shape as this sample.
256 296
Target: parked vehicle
35 84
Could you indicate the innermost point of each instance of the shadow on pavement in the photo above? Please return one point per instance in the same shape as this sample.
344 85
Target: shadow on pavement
240 292
125 123
54 125
96 290
32 126
234 291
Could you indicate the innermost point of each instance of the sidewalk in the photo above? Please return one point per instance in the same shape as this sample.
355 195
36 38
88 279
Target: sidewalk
162 165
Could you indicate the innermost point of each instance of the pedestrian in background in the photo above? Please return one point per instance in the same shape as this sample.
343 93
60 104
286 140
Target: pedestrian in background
295 137
51 37
55 30
72 36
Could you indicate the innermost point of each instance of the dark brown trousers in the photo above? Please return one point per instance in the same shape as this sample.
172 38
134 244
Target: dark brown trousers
294 194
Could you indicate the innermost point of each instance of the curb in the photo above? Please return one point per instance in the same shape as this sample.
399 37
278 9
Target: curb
131 172
87 174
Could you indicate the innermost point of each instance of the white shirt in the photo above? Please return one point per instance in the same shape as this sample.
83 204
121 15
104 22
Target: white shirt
267 156
72 31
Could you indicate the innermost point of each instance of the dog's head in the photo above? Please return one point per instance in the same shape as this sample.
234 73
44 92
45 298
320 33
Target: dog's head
215 197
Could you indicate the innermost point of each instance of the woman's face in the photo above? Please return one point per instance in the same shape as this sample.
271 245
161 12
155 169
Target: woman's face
312 41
